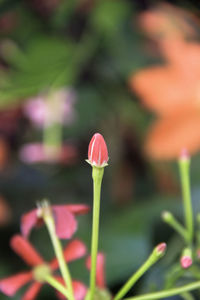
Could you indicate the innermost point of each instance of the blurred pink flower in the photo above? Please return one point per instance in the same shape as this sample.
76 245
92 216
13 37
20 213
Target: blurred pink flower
10 285
36 153
64 216
46 109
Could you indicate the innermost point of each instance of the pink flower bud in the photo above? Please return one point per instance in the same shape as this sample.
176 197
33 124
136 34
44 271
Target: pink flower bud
186 261
161 248
98 152
184 154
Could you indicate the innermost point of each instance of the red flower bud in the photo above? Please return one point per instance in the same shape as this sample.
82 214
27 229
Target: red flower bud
186 261
97 152
161 248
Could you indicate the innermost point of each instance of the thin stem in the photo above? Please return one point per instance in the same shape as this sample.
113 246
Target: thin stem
57 285
187 296
167 293
49 221
52 139
97 175
185 182
171 220
152 259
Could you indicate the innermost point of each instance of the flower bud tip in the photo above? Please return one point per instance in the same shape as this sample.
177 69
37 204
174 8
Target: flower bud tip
166 215
186 261
184 155
161 248
97 151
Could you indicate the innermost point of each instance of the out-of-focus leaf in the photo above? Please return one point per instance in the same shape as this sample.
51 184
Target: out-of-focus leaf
45 62
108 16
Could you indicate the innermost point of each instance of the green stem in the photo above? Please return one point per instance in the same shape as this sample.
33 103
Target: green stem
97 175
187 296
152 259
171 220
49 221
52 139
184 165
57 285
167 293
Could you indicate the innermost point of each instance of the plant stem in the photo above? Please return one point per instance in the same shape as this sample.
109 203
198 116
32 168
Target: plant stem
187 296
167 293
57 285
49 221
184 165
171 220
97 175
152 259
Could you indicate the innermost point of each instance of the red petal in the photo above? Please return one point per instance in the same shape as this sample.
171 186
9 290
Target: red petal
26 251
74 250
97 151
32 291
12 284
65 222
28 221
77 208
79 288
100 276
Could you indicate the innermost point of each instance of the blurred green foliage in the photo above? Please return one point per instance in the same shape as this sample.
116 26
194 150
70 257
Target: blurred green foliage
92 46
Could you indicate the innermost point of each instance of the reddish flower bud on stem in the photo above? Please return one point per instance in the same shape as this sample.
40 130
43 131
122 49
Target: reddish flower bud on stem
97 151
186 258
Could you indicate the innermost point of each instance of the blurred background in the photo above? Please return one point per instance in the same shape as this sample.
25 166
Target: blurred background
127 69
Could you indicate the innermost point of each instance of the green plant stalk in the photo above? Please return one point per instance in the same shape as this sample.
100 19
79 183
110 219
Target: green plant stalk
57 285
52 137
184 165
177 227
167 293
152 259
97 175
187 296
49 221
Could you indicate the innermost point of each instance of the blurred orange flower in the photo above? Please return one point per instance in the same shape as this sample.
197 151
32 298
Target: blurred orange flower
172 91
165 20
168 136
173 87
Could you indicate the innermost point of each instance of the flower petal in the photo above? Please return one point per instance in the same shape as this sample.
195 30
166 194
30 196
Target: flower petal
32 291
12 284
97 151
26 251
65 222
74 250
167 137
28 221
100 276
79 288
77 209
164 90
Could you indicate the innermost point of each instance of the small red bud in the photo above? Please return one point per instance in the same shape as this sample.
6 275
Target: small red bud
198 253
184 154
97 151
161 248
186 261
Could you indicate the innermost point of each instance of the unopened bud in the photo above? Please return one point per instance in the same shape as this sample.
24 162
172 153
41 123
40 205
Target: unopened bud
97 151
186 258
167 216
160 249
184 154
